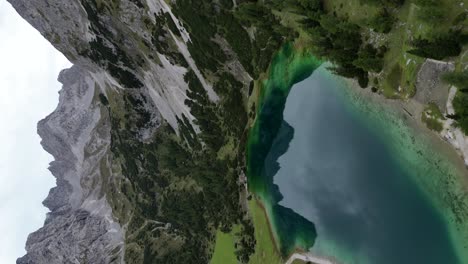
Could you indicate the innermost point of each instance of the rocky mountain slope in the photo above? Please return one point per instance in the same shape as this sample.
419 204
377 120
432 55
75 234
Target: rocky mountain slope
80 227
137 124
149 134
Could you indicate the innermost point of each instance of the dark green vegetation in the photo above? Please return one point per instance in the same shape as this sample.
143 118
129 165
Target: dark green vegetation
432 116
207 54
458 79
382 22
116 60
161 38
460 102
123 57
440 47
176 181
389 3
342 31
331 37
190 179
432 11
270 34
176 191
385 46
213 20
346 41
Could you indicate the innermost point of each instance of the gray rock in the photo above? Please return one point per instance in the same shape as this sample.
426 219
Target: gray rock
429 86
80 227
85 224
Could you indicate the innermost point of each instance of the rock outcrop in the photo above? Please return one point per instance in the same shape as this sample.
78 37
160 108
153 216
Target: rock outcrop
429 86
117 181
80 227
131 47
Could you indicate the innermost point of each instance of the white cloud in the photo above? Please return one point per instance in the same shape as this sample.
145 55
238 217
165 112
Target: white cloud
29 67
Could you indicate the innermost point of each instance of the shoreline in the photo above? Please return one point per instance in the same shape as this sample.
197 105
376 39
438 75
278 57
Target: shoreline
289 66
270 226
412 110
447 192
451 134
308 257
407 113
436 153
297 253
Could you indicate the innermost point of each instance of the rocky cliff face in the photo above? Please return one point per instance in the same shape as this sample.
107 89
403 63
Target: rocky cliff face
136 136
128 40
80 227
149 134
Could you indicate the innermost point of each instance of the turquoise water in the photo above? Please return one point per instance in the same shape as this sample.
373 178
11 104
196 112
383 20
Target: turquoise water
343 175
288 67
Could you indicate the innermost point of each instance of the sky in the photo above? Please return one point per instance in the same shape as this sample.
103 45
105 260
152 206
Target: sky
29 67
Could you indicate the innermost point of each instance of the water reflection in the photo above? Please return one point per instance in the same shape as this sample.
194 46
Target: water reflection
338 174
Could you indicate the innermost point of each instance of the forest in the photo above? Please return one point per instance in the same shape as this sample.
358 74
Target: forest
191 180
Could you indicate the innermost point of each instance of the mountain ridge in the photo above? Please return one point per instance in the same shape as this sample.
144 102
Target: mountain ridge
149 135
126 94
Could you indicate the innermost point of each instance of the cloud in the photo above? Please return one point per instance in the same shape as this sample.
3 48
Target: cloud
29 67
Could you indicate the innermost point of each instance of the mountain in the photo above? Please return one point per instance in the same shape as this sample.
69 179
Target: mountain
137 135
150 132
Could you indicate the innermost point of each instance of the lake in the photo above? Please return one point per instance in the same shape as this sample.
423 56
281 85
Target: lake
339 169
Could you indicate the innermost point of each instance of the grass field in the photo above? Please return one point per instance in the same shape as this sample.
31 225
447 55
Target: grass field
400 68
265 249
432 116
224 248
298 261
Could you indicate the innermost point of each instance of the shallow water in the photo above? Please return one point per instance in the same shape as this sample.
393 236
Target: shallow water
344 174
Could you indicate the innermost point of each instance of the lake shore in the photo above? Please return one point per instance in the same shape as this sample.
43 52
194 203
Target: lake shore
406 124
297 254
410 110
308 257
448 193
